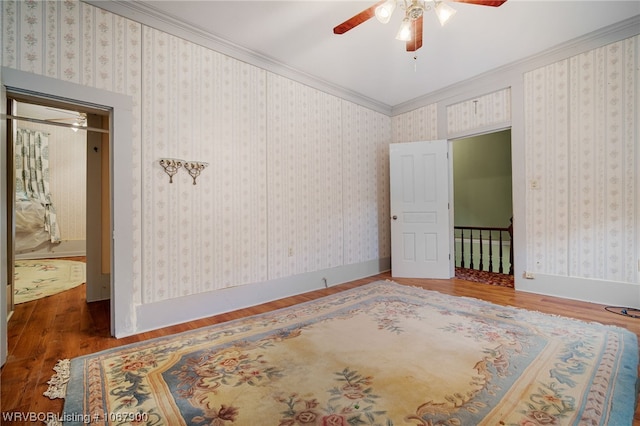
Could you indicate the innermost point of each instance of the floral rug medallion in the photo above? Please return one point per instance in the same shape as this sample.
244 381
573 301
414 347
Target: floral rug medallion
381 354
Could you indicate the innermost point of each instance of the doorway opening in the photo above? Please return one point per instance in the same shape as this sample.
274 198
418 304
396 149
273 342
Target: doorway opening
64 211
483 214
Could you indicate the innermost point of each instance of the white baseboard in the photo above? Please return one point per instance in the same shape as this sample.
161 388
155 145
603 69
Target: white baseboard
151 316
610 293
47 250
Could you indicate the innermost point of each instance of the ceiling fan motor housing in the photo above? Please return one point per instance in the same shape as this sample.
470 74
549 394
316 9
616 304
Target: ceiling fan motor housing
416 10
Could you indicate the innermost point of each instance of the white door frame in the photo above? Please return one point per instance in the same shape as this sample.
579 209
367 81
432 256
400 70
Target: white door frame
3 229
121 185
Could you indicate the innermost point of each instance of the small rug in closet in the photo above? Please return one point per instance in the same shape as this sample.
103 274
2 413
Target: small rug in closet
38 278
379 354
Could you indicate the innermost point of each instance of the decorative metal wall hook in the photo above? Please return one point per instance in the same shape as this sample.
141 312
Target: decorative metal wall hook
194 168
170 166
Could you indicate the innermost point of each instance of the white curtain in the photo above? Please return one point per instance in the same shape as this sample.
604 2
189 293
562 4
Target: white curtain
32 176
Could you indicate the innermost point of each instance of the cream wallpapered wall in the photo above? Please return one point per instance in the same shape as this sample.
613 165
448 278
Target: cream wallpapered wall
297 179
72 41
581 117
366 184
421 124
305 178
199 105
486 110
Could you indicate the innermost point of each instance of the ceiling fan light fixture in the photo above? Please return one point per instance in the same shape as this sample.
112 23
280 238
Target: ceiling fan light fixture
444 12
404 33
411 30
385 10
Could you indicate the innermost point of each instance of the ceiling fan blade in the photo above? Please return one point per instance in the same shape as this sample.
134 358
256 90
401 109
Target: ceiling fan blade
494 3
358 19
416 36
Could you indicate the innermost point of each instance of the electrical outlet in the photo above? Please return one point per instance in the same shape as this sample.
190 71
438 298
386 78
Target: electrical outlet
528 275
290 251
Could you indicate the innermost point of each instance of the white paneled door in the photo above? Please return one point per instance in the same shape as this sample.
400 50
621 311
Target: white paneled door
420 231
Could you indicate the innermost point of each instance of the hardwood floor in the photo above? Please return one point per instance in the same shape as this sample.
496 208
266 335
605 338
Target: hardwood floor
65 326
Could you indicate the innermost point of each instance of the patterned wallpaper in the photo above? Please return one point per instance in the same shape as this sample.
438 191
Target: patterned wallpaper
420 124
305 179
366 184
72 41
581 132
493 108
297 179
200 105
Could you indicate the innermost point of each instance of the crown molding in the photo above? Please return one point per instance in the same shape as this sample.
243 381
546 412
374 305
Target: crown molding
505 76
151 17
487 82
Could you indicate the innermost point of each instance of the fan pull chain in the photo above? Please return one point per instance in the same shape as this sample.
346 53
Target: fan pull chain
415 64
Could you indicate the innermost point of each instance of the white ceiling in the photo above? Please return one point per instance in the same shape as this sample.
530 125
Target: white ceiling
367 60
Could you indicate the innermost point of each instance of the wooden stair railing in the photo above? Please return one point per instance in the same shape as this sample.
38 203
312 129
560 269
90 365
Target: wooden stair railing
502 232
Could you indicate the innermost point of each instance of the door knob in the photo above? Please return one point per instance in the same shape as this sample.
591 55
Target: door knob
394 217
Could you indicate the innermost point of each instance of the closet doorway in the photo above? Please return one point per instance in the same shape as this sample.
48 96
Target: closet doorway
75 140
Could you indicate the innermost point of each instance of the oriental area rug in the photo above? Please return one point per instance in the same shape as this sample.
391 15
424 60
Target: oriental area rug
35 279
380 354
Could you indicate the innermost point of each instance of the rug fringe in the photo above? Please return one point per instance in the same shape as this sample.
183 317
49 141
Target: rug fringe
58 382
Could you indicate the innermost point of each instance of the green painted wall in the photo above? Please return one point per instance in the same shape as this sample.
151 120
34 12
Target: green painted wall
482 180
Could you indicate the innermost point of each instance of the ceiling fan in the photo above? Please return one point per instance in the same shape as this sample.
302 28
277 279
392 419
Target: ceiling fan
411 27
